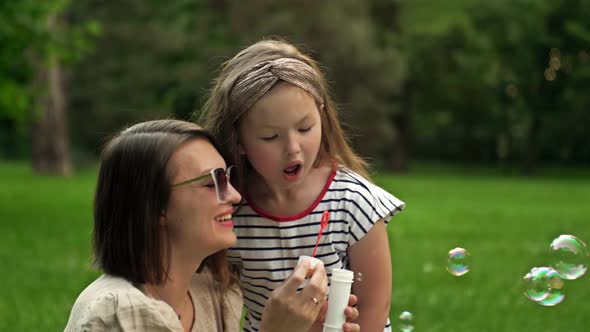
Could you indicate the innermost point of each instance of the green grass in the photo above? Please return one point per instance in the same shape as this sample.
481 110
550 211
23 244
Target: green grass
45 227
506 223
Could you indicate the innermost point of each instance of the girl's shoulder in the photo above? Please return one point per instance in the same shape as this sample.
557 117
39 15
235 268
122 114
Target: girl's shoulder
346 177
361 192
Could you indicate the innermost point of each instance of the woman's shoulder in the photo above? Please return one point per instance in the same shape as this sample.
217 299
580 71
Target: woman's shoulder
204 282
114 303
215 303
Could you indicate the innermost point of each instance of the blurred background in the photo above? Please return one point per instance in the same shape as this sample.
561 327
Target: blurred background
473 112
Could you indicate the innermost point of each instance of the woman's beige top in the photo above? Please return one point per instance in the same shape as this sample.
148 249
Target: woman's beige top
114 304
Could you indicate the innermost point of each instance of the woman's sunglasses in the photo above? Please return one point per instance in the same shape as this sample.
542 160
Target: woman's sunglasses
221 178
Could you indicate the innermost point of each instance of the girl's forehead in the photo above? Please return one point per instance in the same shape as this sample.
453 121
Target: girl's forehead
284 104
278 118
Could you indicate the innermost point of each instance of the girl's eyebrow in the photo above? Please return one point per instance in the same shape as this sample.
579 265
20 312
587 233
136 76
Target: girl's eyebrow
268 126
303 119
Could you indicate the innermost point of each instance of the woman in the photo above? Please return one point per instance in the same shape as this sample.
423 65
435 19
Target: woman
162 211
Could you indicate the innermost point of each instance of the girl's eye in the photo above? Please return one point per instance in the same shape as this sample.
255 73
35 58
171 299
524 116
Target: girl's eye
210 185
305 130
269 138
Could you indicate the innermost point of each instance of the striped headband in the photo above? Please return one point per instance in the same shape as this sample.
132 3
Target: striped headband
257 81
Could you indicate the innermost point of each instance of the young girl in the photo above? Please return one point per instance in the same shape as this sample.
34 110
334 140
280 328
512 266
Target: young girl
271 110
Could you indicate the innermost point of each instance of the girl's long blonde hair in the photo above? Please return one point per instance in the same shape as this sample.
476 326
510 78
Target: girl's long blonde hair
221 117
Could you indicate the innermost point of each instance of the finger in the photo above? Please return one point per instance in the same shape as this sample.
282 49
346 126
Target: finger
296 278
316 288
351 314
352 300
319 279
351 327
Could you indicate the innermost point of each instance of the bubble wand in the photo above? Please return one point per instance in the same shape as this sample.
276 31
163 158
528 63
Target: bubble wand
323 224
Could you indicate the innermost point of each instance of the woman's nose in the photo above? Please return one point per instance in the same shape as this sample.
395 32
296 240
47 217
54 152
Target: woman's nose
233 195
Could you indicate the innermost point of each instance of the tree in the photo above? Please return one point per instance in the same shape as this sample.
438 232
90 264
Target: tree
41 42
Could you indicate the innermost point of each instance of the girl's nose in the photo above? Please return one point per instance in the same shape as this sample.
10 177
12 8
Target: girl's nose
293 147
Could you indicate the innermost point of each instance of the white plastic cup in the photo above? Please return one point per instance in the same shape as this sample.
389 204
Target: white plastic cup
341 283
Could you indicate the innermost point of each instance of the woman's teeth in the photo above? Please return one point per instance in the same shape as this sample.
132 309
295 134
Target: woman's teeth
223 218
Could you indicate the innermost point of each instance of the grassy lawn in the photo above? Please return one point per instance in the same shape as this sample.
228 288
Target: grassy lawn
506 223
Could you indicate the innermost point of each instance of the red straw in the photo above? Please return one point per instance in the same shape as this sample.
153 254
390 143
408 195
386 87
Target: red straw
323 224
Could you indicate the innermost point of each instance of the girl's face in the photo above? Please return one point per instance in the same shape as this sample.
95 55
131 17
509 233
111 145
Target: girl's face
194 218
281 135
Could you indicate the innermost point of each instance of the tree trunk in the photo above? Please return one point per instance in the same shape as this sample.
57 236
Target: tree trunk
399 157
398 160
530 158
49 132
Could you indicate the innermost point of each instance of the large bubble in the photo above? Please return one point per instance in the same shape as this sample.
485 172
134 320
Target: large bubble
544 286
569 256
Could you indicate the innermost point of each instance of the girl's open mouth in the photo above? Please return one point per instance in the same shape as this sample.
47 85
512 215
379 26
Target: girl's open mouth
291 173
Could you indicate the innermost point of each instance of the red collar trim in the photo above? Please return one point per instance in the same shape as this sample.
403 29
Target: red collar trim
301 214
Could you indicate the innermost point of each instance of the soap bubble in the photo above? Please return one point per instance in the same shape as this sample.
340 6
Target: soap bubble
358 277
569 256
459 262
406 324
544 286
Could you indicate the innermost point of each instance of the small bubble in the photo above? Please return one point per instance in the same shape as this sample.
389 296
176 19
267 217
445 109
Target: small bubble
569 256
358 277
406 322
544 286
459 262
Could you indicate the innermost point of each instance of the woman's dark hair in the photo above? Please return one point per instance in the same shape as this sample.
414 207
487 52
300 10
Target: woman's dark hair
133 190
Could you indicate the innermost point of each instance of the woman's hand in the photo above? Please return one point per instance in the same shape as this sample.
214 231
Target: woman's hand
350 312
290 311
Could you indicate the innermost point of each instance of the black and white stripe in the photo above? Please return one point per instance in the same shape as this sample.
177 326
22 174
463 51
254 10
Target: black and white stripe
268 250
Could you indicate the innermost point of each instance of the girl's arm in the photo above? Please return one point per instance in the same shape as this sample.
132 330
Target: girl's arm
370 256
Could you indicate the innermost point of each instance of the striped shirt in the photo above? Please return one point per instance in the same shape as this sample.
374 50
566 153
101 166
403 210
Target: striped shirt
269 247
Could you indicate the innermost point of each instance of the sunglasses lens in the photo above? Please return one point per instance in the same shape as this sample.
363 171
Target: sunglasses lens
222 178
221 182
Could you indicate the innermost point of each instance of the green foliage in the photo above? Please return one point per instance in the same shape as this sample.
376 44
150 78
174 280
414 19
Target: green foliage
25 34
472 77
153 60
485 68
